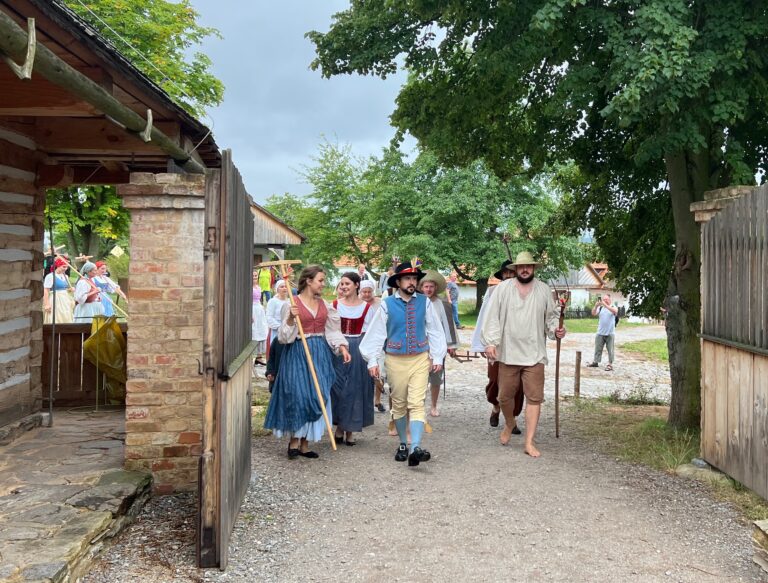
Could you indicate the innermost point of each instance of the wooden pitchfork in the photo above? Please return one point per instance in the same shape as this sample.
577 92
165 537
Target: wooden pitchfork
310 362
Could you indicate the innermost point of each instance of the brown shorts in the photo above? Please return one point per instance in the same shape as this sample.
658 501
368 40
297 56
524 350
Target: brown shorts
513 378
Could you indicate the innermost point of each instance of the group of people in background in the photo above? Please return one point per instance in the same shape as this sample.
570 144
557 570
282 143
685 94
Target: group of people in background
91 295
401 336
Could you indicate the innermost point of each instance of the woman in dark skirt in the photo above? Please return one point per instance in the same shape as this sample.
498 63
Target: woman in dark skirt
352 393
294 409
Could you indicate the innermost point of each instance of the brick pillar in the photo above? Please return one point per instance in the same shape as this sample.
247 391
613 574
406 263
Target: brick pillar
165 327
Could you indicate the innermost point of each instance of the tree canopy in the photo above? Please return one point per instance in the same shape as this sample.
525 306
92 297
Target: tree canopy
161 36
656 102
90 220
452 218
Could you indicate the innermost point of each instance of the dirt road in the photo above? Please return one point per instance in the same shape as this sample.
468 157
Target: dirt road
477 511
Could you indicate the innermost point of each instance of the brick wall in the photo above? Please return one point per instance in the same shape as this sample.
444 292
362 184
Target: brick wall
21 273
164 390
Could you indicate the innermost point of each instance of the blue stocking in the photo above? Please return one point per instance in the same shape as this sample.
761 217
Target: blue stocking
400 425
417 430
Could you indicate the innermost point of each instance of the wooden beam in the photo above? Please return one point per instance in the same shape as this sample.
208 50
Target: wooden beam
13 42
61 176
40 98
92 136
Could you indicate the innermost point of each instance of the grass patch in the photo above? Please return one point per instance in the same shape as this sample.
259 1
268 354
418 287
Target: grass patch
259 402
640 434
589 325
581 326
653 349
639 394
468 314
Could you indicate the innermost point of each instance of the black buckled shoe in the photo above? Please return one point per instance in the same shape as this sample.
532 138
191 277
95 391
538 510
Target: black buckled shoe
417 456
402 453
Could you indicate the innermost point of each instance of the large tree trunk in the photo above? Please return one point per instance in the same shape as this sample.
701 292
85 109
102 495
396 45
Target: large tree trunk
688 180
480 289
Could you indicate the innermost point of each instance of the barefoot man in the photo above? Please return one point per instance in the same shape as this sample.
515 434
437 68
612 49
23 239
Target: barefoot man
521 315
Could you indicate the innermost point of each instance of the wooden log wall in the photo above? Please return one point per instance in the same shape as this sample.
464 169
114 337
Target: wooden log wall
734 421
21 273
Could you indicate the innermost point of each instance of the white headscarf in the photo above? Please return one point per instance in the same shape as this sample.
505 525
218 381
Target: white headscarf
278 283
367 283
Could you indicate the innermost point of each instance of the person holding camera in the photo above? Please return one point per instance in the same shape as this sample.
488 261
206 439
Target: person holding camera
606 328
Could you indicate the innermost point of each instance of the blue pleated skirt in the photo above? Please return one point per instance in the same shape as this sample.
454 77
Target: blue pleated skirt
293 407
352 393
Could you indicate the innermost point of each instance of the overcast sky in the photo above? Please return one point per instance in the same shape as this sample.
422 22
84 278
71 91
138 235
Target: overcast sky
275 109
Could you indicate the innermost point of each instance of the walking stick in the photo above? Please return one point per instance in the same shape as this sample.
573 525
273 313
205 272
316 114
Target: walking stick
310 363
562 300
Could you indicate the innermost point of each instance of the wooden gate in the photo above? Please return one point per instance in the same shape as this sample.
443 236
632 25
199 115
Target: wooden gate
734 348
225 465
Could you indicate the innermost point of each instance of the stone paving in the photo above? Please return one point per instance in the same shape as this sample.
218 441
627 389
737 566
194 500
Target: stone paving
62 492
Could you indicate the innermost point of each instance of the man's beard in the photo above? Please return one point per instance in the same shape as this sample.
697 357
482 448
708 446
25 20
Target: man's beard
410 290
522 279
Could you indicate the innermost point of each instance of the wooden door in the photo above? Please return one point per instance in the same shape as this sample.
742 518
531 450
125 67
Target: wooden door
225 465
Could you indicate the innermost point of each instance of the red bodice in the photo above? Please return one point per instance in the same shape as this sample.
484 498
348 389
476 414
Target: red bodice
312 324
352 326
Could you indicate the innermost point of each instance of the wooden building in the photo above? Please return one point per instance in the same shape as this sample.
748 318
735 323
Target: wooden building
74 111
734 333
271 235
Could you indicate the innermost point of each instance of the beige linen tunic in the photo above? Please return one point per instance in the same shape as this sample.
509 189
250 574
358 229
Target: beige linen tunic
518 327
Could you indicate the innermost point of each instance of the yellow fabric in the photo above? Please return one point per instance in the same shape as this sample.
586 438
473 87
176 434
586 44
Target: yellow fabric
407 377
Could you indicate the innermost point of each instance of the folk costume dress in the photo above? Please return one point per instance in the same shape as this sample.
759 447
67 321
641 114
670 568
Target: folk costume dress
274 319
65 305
107 286
259 329
293 408
87 306
352 393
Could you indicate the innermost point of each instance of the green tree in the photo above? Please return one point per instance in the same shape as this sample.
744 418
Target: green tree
457 218
451 218
90 220
638 94
161 36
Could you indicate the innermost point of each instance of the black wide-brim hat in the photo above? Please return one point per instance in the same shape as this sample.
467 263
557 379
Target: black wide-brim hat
404 269
507 265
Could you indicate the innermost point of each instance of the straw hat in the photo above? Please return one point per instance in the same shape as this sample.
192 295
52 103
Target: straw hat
436 278
524 258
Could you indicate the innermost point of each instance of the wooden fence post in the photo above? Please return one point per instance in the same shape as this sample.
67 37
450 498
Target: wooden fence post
577 376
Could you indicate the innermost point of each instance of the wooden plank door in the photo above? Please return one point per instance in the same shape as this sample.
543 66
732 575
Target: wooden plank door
225 464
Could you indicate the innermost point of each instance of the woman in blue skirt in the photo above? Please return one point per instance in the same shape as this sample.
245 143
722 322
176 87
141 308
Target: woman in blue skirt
352 393
294 408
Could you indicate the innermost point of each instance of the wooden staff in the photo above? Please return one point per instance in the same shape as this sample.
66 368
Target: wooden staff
114 305
562 299
307 353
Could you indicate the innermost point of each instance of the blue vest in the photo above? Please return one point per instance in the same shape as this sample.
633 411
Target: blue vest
406 325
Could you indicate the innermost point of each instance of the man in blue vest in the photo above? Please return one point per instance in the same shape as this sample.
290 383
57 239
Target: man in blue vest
407 338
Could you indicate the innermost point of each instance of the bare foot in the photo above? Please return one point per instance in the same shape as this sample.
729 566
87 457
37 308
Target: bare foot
532 451
506 435
433 412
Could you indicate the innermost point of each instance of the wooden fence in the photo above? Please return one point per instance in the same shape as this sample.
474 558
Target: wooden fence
75 379
734 292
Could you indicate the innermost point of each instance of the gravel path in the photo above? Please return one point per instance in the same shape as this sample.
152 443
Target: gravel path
476 511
